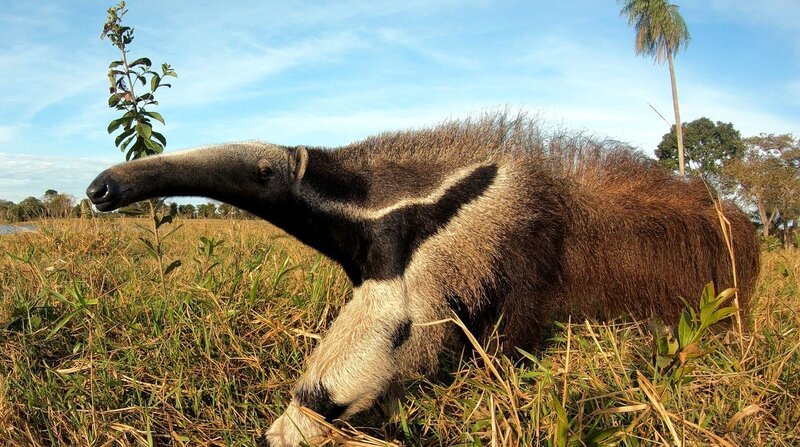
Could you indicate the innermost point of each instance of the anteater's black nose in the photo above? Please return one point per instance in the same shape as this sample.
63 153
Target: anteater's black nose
97 191
103 189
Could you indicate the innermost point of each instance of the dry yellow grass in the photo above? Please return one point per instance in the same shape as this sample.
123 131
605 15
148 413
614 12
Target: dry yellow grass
92 352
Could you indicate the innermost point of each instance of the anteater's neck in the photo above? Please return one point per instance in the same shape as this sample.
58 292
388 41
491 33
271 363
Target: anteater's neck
372 219
312 214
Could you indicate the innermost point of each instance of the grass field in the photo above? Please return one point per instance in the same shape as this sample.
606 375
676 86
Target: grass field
94 351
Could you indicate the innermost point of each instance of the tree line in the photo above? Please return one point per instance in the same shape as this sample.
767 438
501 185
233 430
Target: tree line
55 205
762 172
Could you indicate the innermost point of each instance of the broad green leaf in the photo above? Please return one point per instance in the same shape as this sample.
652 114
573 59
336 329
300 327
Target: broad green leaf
155 115
685 332
663 361
708 294
127 142
115 64
154 146
158 136
172 266
122 136
141 61
725 295
144 130
164 220
154 81
138 148
114 125
167 70
706 310
722 314
114 99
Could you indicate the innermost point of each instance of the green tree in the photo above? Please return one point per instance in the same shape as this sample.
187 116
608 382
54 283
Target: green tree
660 33
768 178
188 210
707 145
207 210
5 206
29 209
57 205
227 211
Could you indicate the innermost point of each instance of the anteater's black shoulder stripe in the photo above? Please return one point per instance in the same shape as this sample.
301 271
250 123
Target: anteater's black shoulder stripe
319 399
398 234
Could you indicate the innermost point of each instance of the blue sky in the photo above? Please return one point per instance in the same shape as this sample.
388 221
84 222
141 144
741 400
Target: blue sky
328 73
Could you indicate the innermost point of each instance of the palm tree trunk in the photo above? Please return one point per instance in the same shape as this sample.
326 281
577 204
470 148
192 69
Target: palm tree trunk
678 125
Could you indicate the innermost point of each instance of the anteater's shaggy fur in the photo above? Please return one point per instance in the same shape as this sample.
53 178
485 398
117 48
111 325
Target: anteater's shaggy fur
484 218
607 231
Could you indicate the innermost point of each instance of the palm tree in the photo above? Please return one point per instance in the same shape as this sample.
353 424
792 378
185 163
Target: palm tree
660 33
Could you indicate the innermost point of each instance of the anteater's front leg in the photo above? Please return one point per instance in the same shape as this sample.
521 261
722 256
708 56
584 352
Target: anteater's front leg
353 364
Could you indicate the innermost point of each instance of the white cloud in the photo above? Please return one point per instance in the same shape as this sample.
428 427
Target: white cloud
24 175
229 75
744 112
43 76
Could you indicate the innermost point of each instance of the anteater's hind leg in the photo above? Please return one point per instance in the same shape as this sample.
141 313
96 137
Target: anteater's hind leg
367 347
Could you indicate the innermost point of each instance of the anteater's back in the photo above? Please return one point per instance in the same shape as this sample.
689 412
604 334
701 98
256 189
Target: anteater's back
640 237
570 226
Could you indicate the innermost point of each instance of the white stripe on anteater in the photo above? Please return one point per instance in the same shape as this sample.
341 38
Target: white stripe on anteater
358 212
484 218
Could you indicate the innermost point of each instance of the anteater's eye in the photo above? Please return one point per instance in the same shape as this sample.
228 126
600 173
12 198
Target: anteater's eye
265 172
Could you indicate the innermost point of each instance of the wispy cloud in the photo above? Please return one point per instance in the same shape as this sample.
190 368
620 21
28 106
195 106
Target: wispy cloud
418 44
41 76
231 74
23 175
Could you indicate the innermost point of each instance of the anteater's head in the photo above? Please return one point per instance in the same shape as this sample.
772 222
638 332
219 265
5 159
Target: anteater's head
249 175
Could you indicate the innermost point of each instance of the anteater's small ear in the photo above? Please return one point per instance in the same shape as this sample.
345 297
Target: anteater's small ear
298 160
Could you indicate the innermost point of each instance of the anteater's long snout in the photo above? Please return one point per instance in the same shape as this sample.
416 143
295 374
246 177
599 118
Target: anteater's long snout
105 192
